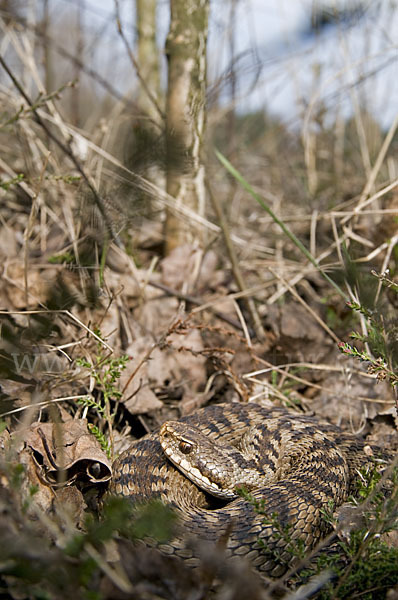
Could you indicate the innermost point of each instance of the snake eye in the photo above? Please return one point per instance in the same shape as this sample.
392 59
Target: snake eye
185 447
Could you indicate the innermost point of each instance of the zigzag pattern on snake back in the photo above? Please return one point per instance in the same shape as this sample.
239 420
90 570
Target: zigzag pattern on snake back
302 466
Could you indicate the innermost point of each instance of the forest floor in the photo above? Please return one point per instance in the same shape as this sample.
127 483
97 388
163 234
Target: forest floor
97 351
102 341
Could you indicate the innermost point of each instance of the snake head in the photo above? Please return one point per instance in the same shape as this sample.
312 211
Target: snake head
210 465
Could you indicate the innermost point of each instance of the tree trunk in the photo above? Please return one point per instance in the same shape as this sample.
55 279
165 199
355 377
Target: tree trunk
185 116
77 71
147 55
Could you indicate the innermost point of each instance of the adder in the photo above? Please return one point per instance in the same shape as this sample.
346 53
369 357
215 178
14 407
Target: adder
294 466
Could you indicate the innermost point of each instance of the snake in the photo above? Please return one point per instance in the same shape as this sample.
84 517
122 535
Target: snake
259 479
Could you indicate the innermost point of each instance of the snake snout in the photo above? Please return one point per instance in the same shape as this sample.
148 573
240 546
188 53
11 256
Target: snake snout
170 437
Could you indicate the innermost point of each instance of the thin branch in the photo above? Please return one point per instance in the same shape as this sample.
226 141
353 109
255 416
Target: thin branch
196 302
225 162
249 302
135 63
47 40
65 149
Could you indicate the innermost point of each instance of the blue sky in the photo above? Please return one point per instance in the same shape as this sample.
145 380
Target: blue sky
358 58
281 67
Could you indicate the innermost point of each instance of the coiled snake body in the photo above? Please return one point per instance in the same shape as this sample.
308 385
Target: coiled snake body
294 465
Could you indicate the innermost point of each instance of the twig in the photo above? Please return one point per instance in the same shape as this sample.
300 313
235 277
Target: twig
47 40
65 149
376 168
60 312
135 64
308 308
310 384
197 302
235 173
249 302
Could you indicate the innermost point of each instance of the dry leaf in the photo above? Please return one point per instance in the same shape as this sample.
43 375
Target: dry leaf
157 315
8 243
343 405
44 495
138 397
15 288
180 365
69 505
144 400
65 452
179 266
188 368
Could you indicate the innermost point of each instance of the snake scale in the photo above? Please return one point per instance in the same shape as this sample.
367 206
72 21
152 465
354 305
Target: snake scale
292 463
